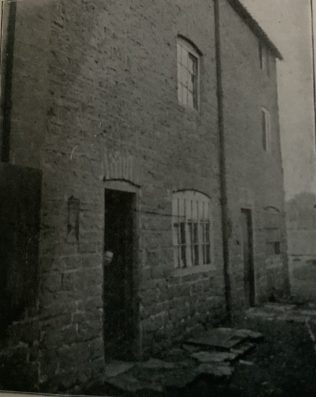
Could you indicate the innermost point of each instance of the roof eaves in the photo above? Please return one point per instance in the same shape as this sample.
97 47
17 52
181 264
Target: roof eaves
254 26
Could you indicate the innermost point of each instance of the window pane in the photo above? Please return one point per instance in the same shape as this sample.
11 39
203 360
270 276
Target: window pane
207 232
191 63
191 229
196 244
179 53
183 75
184 57
183 246
190 83
182 233
190 99
260 56
187 75
267 63
185 96
176 244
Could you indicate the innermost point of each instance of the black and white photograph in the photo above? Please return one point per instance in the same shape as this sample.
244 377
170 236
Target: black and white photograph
158 198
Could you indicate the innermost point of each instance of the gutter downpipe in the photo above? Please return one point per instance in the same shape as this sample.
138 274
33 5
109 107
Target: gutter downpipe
7 58
313 63
222 164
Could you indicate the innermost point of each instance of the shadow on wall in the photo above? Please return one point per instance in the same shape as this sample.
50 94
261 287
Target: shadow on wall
301 230
29 134
68 66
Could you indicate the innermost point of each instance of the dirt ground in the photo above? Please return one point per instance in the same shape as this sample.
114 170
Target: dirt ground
282 365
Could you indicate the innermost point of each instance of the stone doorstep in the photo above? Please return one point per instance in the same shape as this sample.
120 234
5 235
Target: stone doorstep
283 307
223 338
218 371
128 382
308 313
243 350
176 378
246 363
214 357
157 364
261 315
207 343
295 319
158 375
116 367
251 335
277 312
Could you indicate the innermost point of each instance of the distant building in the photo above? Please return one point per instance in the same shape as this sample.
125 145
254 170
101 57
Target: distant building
150 131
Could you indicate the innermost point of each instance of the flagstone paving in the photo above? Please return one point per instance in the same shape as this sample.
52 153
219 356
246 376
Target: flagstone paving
270 352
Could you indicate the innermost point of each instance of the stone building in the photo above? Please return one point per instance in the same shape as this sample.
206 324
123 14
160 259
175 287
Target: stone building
292 25
150 130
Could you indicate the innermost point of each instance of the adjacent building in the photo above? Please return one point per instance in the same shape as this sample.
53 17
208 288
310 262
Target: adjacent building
292 26
149 130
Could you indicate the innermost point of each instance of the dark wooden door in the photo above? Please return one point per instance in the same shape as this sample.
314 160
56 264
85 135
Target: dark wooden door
118 276
20 200
247 251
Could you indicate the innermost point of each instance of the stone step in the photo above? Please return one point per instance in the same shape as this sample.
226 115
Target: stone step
214 357
223 339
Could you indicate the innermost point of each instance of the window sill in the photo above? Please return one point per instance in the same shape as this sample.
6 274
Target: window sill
194 270
189 109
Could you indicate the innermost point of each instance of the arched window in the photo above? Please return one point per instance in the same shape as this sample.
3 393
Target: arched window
188 64
191 214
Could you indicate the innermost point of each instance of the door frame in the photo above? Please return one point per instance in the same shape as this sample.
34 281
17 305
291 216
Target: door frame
128 187
250 210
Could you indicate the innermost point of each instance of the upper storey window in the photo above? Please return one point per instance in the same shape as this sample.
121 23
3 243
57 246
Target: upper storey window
264 58
266 129
188 63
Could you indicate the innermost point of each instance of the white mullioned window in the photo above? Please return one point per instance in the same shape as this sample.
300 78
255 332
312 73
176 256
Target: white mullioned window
191 216
266 129
188 65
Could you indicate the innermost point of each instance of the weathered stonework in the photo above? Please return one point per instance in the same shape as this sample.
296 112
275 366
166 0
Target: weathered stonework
101 77
255 177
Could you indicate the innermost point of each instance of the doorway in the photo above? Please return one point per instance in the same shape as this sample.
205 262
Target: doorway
118 286
247 251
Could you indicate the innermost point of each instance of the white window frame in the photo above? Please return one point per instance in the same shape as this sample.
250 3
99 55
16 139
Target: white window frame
192 229
266 129
185 84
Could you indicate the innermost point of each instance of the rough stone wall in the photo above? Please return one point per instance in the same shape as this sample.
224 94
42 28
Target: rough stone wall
20 343
104 78
108 96
19 220
29 82
254 177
